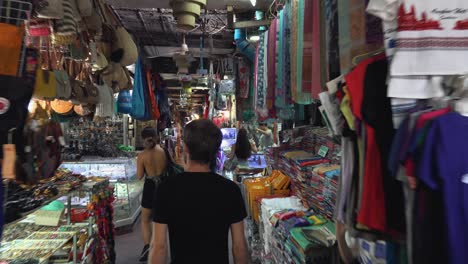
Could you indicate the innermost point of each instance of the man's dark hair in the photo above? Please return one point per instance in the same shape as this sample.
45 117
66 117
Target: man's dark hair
148 132
203 139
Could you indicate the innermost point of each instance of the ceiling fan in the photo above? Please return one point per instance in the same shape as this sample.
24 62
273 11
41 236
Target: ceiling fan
182 51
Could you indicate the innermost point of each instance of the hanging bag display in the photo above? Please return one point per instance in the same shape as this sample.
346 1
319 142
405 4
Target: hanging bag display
62 79
85 7
128 46
45 86
83 89
78 49
124 102
64 89
139 107
114 76
38 27
11 39
50 9
67 27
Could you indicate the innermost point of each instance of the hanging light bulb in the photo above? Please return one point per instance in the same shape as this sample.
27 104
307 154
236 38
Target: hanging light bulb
253 2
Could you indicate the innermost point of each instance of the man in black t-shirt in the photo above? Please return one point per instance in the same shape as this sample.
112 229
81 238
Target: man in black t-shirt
198 207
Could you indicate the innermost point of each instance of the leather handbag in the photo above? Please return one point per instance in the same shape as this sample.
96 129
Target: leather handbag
84 92
64 89
11 38
50 9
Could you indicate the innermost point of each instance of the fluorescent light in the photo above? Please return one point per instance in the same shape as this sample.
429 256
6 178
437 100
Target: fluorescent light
253 2
254 38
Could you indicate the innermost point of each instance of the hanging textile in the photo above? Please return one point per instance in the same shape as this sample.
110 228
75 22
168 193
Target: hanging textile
262 74
286 102
352 32
374 32
152 97
280 89
140 109
310 48
271 64
243 74
332 39
299 95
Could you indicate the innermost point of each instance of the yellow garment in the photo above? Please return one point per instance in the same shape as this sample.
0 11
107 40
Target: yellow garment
322 169
346 109
293 154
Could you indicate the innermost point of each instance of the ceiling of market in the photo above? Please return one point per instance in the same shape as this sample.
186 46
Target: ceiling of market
154 28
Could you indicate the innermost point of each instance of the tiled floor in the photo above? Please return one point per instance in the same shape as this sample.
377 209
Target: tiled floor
128 246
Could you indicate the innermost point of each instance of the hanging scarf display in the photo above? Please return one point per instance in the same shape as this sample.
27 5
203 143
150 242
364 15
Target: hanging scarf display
310 26
352 32
261 75
303 96
243 74
280 89
332 39
271 64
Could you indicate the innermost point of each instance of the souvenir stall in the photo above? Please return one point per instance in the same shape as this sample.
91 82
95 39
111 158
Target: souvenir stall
291 210
68 218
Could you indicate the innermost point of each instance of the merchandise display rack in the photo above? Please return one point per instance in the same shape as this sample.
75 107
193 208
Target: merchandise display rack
41 245
122 176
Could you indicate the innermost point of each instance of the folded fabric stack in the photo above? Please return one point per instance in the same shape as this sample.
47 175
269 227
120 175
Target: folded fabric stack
300 237
313 179
323 189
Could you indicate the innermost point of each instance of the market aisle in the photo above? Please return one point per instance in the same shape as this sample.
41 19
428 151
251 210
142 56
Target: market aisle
128 246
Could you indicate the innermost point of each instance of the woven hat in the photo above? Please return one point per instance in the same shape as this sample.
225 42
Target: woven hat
62 107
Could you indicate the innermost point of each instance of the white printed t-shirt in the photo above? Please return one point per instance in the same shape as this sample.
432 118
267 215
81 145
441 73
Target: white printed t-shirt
431 38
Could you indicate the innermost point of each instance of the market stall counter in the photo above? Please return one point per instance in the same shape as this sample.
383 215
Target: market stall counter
122 174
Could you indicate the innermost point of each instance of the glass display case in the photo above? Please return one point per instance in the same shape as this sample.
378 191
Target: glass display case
127 188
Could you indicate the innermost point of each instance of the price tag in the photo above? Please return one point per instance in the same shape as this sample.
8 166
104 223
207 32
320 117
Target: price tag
323 151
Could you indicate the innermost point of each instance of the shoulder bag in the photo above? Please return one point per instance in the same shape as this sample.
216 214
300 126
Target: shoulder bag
172 169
